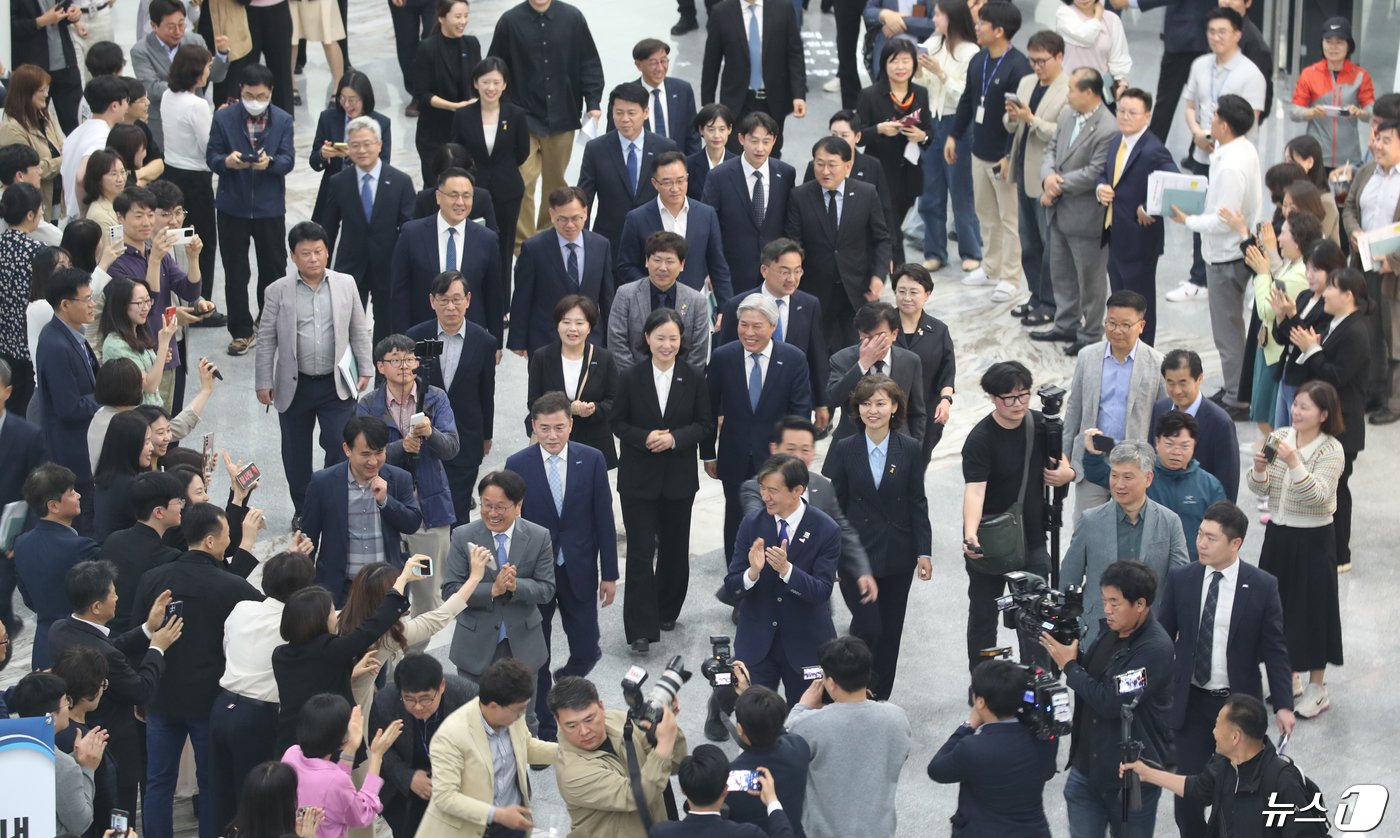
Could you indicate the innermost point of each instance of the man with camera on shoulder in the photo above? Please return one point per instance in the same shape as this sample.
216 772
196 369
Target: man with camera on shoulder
997 760
1126 670
592 771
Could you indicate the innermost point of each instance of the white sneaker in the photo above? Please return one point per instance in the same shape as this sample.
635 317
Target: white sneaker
977 278
1263 505
1297 684
1313 703
1186 291
1003 292
833 85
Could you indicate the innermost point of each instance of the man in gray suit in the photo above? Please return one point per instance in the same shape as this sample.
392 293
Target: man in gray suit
634 302
313 330
1114 387
877 326
502 619
151 56
1069 174
1131 529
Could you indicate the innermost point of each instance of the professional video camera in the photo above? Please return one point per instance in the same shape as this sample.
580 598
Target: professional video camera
1032 608
718 668
1045 707
649 708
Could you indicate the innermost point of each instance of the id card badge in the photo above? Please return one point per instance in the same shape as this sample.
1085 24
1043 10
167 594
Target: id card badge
981 114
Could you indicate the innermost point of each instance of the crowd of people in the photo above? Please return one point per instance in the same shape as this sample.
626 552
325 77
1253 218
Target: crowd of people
688 305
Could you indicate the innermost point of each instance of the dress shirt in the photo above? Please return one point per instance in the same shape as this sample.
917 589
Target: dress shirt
1224 608
1235 182
186 119
442 227
563 456
374 187
452 343
677 223
554 64
106 632
757 6
888 361
641 152
1209 80
764 170
564 251
784 304
1131 142
505 789
510 539
315 327
659 120
1379 198
573 371
253 629
1113 392
366 542
402 410
840 190
1196 405
793 521
765 357
1129 535
662 379
871 446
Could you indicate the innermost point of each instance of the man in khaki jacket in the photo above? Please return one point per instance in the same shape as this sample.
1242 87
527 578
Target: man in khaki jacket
592 769
480 757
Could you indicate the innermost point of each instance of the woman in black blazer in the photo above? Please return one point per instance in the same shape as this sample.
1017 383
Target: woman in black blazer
495 135
894 112
928 337
580 370
1344 362
126 452
1308 312
443 65
354 97
713 123
656 476
891 519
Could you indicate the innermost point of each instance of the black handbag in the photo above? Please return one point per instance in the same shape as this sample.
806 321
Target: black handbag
1002 536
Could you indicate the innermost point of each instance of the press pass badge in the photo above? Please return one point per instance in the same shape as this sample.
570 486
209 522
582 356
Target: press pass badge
981 113
811 673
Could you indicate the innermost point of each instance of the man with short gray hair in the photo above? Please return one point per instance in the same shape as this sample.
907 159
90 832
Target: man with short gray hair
1132 528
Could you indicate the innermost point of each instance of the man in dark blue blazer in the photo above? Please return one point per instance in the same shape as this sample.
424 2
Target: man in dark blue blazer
66 372
753 382
354 490
1218 444
554 264
21 451
746 224
372 200
447 241
616 171
43 555
671 101
1000 767
567 493
1134 238
704 777
782 569
705 256
760 715
1225 618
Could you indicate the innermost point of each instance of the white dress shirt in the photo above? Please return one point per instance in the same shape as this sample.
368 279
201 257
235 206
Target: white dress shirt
765 356
510 539
677 223
662 379
784 304
764 170
745 6
1234 182
442 228
251 632
888 360
186 119
656 120
1379 198
1224 608
793 522
374 190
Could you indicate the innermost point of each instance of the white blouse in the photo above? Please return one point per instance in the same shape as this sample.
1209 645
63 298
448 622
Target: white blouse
943 94
186 119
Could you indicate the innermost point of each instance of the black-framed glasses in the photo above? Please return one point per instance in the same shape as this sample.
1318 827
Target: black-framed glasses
1014 399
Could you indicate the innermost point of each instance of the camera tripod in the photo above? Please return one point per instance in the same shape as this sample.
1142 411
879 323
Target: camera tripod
1052 432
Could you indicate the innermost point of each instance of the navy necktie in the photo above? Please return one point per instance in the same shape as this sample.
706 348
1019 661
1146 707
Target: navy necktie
633 167
782 532
572 265
366 195
451 250
658 116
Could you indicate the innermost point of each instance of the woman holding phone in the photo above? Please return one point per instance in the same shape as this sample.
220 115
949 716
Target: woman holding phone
943 61
125 334
894 113
126 452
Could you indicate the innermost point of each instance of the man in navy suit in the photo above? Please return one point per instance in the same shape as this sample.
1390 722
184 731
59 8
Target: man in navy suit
673 212
750 193
43 555
1001 768
1225 618
343 501
1217 444
372 200
704 777
782 569
467 372
554 264
21 451
672 100
753 382
447 241
1134 238
567 493
66 372
760 715
617 166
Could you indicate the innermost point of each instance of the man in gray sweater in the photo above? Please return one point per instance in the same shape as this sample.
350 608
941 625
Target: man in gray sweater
858 747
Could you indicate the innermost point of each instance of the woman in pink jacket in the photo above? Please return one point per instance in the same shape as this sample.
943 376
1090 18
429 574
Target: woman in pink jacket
328 735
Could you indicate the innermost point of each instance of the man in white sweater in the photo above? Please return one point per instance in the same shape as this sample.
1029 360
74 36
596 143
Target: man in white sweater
858 747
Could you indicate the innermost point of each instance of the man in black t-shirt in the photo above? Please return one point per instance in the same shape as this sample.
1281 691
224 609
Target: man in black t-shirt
993 458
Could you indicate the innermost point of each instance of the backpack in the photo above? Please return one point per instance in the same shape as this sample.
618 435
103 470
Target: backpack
1269 779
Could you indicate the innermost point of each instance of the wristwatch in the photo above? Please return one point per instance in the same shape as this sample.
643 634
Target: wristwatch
946 397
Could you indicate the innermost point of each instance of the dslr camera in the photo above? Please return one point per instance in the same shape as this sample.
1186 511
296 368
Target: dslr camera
1032 608
718 668
649 707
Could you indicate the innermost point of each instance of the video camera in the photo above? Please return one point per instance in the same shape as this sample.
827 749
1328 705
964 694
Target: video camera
1045 707
1032 608
651 707
718 668
424 350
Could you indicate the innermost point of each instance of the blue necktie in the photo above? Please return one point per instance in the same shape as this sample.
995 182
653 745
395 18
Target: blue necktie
782 532
366 196
452 253
556 488
759 200
755 51
877 465
658 116
572 265
502 559
633 168
778 332
755 382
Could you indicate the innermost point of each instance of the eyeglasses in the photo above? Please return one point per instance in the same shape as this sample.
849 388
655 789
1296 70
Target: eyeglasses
828 165
401 363
419 700
104 683
453 302
909 292
671 183
180 502
790 273
663 61
1014 399
87 301
347 101
146 303
571 220
496 507
1039 62
1178 447
1114 326
454 197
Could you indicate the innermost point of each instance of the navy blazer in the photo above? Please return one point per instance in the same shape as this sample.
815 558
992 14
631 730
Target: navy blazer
892 520
416 265
1217 445
22 450
249 193
603 177
473 391
330 127
788 760
776 825
66 374
326 520
697 165
586 531
1126 235
743 439
726 191
1001 770
680 115
368 243
796 610
541 281
704 254
42 559
803 330
1256 635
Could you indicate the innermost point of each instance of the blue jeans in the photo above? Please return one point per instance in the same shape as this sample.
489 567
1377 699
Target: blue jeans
1093 808
1035 253
165 739
933 204
1283 405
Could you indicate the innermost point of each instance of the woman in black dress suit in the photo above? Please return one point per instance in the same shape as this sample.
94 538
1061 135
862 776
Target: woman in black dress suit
894 112
714 123
580 370
656 476
126 452
928 337
444 64
1308 312
891 518
494 133
354 97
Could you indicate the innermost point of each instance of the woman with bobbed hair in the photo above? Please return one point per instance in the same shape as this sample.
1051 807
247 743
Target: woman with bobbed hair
329 733
267 806
581 370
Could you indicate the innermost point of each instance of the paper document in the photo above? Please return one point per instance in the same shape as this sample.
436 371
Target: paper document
12 524
349 371
1179 183
589 130
1372 245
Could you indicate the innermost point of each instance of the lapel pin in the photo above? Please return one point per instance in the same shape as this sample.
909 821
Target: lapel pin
803 538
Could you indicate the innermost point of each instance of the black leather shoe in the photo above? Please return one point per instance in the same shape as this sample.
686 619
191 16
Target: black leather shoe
1073 349
1237 412
1038 319
215 320
1048 335
687 23
641 646
715 731
1383 417
1022 310
669 625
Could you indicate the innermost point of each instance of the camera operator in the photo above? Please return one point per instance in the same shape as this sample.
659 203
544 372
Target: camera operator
999 764
592 771
1245 777
1132 641
759 714
704 777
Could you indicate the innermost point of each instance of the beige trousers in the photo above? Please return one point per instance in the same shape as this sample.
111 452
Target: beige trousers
999 215
549 157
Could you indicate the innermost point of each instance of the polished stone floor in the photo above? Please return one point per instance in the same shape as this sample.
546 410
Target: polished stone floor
1354 744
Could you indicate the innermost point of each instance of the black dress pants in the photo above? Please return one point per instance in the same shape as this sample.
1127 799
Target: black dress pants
983 616
66 92
413 21
658 563
1195 743
1171 81
1341 519
269 239
242 733
316 402
849 24
881 624
271 30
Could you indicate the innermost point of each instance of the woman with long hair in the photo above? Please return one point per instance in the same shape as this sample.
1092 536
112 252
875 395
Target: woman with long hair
327 732
443 65
267 806
125 334
103 179
1305 311
1306 151
126 452
186 119
354 98
581 370
21 207
138 112
188 465
129 143
29 121
893 113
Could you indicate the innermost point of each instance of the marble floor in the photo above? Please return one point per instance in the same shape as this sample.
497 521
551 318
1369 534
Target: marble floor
1352 745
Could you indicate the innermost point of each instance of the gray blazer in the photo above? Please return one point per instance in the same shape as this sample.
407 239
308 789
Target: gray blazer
1094 546
907 370
820 494
631 306
474 641
1082 407
1080 164
150 61
275 366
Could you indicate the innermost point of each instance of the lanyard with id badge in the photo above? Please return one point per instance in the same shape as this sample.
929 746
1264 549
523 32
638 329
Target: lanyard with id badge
986 83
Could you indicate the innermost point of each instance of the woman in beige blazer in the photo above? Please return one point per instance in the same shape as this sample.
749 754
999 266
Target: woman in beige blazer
28 121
